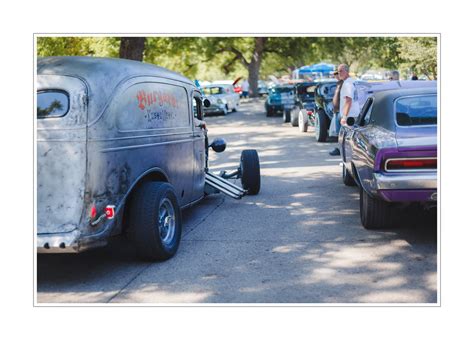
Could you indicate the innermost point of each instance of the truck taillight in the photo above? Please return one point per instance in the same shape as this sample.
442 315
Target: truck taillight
411 164
110 211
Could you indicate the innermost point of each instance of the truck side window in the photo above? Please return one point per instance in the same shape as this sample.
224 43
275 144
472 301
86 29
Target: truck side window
197 108
51 104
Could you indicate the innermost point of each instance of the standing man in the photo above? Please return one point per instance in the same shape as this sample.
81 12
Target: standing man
349 106
336 117
348 102
245 88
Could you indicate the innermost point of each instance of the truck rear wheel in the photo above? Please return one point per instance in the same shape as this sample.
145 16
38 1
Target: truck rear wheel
303 120
155 221
286 116
250 171
294 117
375 213
320 126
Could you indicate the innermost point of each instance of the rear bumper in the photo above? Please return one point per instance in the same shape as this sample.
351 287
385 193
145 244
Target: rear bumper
72 242
420 187
58 243
214 108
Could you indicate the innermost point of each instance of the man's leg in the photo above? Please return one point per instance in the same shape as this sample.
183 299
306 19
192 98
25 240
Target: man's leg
336 151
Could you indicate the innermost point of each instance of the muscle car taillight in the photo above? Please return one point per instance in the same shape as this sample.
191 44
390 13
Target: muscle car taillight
309 112
411 164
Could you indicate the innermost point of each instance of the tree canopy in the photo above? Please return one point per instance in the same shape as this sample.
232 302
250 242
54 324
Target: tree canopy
212 58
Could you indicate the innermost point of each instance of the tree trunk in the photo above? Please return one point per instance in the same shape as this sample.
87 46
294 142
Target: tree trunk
254 65
132 48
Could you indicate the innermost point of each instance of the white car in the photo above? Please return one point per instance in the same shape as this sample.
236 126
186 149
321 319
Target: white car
222 97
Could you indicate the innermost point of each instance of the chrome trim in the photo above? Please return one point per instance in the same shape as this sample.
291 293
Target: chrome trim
405 181
406 170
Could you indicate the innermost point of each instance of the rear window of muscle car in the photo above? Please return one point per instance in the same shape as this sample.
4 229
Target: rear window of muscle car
417 110
52 104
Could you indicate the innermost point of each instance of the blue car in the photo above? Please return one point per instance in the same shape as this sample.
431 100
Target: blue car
281 98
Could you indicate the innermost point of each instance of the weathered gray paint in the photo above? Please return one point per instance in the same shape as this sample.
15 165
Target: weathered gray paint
101 149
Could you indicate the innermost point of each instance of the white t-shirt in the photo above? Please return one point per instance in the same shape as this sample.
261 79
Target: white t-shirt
245 86
348 90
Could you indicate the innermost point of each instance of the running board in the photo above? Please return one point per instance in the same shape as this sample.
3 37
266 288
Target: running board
221 185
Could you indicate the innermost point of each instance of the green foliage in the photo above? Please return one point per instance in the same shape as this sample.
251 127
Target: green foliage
78 46
420 55
211 58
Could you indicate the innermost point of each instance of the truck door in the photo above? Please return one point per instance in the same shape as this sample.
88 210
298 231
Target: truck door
61 152
200 147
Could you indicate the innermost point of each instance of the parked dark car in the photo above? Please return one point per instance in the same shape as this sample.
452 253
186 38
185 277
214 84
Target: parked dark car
390 152
323 112
281 98
122 148
304 101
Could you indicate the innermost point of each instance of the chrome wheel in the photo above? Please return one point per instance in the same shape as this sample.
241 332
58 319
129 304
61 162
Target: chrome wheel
167 221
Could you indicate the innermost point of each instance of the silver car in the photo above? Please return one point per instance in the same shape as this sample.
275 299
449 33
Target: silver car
223 98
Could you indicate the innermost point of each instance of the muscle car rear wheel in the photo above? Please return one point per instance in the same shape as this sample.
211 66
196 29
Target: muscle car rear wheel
347 178
303 120
155 221
375 213
320 126
250 171
294 116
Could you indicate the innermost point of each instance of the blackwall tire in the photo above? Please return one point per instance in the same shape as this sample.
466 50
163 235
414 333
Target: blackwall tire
320 126
286 116
303 120
347 178
375 213
155 221
294 117
250 171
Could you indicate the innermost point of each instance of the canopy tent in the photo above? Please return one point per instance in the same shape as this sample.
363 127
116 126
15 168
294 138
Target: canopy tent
315 71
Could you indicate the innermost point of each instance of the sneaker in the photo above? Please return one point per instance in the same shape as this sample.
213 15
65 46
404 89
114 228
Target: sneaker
335 152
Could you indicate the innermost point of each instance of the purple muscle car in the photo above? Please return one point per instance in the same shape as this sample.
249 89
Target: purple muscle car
390 152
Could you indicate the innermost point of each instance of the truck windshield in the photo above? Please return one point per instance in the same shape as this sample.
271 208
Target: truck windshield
417 110
52 104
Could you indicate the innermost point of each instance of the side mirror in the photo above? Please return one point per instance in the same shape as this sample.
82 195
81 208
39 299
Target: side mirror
206 102
350 121
218 145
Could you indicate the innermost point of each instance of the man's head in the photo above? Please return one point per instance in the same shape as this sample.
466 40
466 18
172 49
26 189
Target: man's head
343 71
394 75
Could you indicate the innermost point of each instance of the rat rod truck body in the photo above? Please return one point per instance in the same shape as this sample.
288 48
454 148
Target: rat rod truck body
121 148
